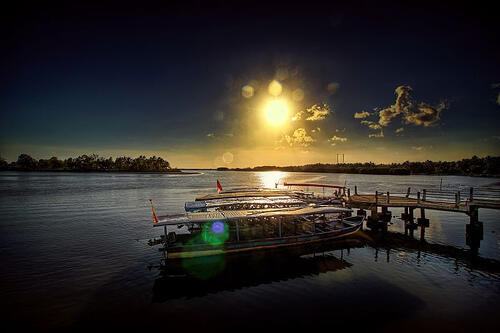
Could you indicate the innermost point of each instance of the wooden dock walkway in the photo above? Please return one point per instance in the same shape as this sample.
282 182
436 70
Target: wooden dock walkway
461 200
366 201
435 200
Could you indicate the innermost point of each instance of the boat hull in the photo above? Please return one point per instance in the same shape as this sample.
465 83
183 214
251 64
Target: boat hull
184 252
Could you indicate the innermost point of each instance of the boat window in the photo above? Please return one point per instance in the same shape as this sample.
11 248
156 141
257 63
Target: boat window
271 227
304 227
258 228
232 231
288 227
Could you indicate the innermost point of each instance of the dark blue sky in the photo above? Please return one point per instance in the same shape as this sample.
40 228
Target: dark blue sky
127 79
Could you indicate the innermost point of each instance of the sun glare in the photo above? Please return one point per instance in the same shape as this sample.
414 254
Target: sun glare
276 112
269 179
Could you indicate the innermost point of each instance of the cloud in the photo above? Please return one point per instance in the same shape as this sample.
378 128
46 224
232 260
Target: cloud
426 114
219 136
335 139
411 112
299 138
419 148
377 135
313 113
361 115
373 125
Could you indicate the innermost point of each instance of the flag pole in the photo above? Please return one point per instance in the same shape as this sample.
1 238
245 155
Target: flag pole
155 220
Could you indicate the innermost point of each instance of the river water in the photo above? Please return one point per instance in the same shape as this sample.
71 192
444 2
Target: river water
74 254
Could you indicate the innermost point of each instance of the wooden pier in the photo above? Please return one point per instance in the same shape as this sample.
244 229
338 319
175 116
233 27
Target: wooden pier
463 200
425 199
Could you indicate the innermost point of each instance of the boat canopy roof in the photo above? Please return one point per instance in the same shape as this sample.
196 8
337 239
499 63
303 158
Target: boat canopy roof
280 200
228 215
251 193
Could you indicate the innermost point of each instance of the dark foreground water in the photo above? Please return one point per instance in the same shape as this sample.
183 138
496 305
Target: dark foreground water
74 256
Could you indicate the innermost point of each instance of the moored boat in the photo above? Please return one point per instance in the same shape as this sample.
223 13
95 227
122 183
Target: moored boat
200 234
246 203
258 198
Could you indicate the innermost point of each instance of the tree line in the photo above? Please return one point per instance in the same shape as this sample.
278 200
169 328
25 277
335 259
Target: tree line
486 166
91 162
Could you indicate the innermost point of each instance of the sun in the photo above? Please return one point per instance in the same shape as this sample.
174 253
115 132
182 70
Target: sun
276 112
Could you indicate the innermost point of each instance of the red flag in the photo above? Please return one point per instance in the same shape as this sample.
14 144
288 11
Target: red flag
155 220
219 187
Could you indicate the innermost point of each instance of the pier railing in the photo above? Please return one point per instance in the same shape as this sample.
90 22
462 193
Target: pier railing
461 197
445 198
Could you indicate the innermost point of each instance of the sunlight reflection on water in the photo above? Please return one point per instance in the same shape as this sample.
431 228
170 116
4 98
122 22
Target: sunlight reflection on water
269 179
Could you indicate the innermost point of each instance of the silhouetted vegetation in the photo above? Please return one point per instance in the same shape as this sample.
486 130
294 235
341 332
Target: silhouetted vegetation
92 162
475 166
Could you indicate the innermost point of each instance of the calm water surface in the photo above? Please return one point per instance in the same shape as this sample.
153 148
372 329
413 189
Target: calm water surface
74 255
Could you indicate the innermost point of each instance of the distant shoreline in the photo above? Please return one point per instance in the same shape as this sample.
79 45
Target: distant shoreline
179 172
92 163
361 173
474 167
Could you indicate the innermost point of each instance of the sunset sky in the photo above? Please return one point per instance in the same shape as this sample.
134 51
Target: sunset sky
255 84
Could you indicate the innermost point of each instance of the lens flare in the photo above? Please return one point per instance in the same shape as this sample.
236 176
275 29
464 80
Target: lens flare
276 112
247 91
274 88
218 227
215 233
227 157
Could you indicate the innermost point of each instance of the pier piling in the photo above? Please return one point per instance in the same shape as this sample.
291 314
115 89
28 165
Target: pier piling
410 224
423 223
474 230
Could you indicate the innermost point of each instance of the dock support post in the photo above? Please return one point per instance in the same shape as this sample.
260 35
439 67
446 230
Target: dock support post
405 216
424 194
349 193
471 194
372 221
418 197
423 223
376 198
410 224
388 195
355 190
386 214
474 230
